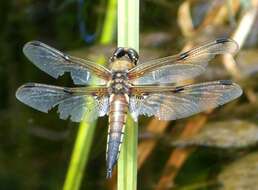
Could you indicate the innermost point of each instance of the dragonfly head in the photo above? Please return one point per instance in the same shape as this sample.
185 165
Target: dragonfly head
125 53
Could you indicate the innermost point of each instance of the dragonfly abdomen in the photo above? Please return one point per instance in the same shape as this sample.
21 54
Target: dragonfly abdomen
117 118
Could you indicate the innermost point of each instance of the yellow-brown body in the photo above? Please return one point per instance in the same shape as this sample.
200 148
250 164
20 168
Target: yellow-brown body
119 90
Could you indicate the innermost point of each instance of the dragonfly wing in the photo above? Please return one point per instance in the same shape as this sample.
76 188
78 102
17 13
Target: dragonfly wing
83 107
55 63
76 103
170 103
182 66
170 74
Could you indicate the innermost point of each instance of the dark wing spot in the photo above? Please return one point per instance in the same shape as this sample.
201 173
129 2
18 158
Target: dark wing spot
178 89
226 82
222 40
66 90
183 55
66 57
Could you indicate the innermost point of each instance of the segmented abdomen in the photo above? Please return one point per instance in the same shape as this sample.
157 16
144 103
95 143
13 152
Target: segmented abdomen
117 118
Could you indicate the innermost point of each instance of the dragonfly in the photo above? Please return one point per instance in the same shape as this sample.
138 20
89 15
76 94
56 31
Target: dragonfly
127 86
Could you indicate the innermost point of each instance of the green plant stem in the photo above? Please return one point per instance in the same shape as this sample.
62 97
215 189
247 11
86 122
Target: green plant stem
80 156
128 36
128 23
108 28
86 130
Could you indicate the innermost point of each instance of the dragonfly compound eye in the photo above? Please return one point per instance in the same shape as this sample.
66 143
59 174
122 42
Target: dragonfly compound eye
120 52
133 55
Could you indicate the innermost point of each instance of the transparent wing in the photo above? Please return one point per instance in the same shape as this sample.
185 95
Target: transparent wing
170 103
181 66
170 74
77 103
55 63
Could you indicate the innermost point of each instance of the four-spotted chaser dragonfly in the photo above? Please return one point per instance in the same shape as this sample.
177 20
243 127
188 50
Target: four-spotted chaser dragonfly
126 86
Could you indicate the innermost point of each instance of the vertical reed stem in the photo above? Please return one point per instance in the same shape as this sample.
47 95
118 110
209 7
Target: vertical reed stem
80 156
128 36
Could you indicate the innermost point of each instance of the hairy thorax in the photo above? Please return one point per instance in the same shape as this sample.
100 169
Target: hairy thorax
119 83
120 65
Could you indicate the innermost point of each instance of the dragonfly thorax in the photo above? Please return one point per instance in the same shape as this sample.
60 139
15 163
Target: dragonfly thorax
121 65
119 83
